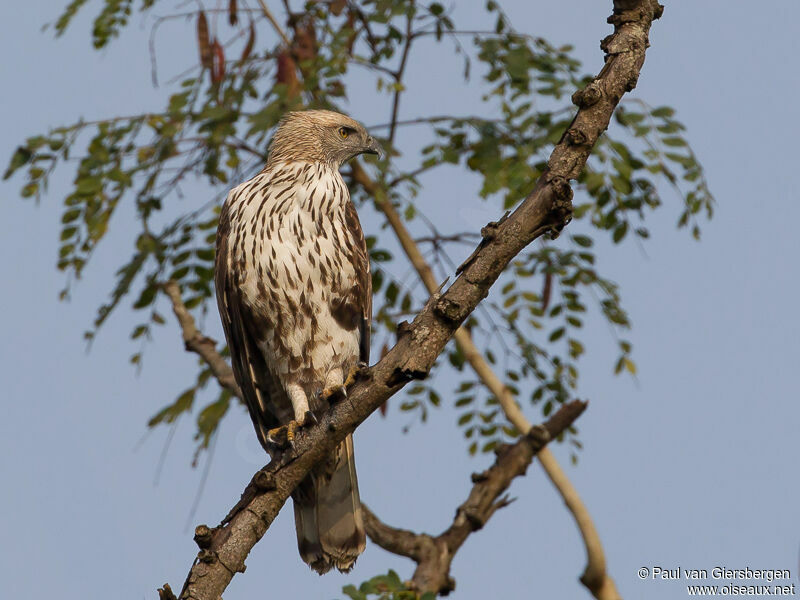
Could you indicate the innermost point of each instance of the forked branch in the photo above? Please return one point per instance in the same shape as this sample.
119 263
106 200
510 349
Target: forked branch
434 554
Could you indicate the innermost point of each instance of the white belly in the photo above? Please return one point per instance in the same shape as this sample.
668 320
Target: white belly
301 269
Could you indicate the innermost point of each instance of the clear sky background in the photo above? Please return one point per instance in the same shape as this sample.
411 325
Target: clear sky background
694 465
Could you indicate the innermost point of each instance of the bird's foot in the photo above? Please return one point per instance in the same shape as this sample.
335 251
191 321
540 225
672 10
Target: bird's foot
333 393
283 436
355 373
337 392
310 419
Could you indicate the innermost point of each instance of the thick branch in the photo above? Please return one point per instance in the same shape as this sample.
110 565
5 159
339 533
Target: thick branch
546 209
434 554
397 541
200 344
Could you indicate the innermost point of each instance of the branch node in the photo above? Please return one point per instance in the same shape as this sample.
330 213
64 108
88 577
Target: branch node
577 137
448 586
488 233
501 449
539 435
588 96
474 518
503 502
404 375
166 593
203 535
264 481
403 329
450 310
626 16
478 477
208 557
561 209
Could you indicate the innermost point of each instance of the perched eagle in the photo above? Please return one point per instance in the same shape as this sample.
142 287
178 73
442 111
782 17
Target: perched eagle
295 296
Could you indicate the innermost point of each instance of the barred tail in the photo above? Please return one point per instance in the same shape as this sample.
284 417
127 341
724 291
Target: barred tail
327 513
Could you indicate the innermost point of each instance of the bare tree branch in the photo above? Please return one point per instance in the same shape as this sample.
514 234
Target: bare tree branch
434 554
200 344
397 541
546 209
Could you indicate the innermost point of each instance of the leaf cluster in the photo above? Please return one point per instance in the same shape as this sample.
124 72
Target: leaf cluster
385 587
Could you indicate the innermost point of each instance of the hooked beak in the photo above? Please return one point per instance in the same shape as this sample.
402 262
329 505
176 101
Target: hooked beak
373 147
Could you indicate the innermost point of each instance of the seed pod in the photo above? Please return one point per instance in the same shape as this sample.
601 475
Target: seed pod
547 288
218 69
248 47
233 15
206 55
287 74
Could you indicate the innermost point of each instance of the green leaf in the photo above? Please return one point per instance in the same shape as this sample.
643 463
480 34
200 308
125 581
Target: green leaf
620 231
630 366
663 112
21 157
584 241
352 592
89 186
465 418
70 215
674 141
174 410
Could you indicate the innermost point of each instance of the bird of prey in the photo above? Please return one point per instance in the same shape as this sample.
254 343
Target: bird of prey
294 292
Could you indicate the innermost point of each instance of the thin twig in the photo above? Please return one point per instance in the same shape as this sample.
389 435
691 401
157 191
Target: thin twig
271 18
398 78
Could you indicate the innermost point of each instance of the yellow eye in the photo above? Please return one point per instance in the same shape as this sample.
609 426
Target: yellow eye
343 132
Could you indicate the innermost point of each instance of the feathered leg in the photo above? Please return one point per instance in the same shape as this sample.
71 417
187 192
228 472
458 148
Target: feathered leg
299 401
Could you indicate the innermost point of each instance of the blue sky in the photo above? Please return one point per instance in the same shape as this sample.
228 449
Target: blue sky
692 465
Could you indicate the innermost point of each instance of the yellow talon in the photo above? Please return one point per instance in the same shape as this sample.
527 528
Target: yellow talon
341 390
284 434
327 393
351 376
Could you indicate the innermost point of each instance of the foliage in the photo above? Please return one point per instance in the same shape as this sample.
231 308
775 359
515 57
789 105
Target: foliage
384 587
214 129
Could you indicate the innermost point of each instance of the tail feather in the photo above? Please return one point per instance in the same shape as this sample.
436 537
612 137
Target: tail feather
327 512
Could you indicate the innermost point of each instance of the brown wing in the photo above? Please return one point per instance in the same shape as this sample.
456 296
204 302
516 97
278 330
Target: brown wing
364 278
260 392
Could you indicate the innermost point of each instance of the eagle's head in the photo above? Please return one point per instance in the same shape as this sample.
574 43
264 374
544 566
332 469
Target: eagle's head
320 136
